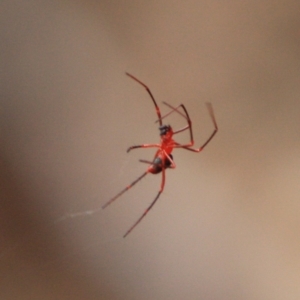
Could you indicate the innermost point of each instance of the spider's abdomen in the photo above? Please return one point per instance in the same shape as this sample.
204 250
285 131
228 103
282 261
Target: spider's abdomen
157 165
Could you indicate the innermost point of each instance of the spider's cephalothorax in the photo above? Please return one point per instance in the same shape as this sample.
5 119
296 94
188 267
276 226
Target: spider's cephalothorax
164 129
166 133
163 158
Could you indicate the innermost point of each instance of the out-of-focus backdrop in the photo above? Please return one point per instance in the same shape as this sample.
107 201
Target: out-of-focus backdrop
227 224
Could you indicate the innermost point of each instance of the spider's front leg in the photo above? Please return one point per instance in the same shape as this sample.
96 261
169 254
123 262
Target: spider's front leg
143 146
212 116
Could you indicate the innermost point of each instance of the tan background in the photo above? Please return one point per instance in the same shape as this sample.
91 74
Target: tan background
227 224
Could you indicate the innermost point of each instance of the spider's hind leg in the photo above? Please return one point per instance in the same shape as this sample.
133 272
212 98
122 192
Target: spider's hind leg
151 205
124 190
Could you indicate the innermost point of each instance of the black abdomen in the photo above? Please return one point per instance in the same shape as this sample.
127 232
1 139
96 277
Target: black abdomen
157 165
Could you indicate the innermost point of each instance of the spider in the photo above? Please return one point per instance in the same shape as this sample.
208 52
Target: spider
163 158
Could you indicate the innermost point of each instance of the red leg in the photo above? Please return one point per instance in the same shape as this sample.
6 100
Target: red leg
173 110
173 165
149 92
211 113
187 146
151 205
186 116
124 190
144 146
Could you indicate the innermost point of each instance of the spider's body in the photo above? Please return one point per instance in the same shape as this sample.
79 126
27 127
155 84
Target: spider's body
163 158
167 143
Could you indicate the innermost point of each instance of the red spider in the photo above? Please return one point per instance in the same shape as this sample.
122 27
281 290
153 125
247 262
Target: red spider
163 158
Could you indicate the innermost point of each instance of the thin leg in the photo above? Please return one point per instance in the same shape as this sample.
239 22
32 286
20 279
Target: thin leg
146 161
172 165
124 190
151 205
173 110
187 117
149 92
211 113
144 146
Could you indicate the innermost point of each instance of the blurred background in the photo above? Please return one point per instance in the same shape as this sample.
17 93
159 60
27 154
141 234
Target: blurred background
227 223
